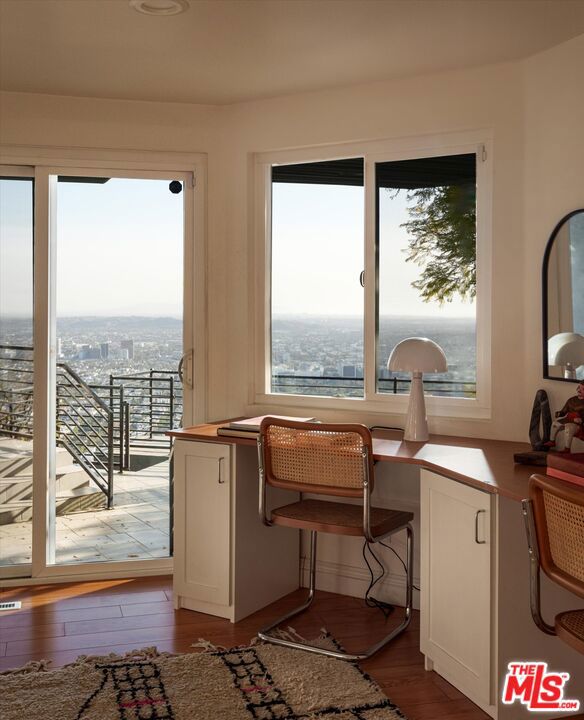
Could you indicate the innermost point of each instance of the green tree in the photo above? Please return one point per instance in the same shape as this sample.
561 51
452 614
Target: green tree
442 229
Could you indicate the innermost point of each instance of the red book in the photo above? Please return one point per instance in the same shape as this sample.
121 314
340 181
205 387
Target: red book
566 466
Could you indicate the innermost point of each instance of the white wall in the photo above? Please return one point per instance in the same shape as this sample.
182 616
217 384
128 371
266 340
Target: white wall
534 109
554 180
485 98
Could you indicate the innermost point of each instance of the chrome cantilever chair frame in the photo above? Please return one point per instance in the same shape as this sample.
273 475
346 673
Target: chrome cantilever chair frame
264 633
534 569
554 523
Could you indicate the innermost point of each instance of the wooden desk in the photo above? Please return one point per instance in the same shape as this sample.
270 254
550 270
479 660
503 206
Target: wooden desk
485 464
475 615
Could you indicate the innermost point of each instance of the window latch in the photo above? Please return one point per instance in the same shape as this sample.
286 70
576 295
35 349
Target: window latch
362 278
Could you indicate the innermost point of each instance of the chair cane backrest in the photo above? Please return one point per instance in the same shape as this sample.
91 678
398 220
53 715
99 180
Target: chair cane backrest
319 458
558 509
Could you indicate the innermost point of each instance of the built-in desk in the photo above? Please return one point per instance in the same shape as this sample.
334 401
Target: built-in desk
485 464
474 570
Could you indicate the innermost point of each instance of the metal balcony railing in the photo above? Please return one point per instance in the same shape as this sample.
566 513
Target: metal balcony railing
155 405
84 424
353 386
96 424
85 427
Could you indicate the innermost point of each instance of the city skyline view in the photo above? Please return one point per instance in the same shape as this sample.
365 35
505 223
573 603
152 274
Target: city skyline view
315 347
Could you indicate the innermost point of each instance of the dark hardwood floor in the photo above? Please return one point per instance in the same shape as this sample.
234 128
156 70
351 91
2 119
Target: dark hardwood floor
61 622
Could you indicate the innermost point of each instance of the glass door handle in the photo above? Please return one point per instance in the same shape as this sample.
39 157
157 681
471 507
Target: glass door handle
185 369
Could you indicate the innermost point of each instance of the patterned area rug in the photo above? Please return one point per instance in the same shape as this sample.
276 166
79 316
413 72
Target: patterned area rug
262 682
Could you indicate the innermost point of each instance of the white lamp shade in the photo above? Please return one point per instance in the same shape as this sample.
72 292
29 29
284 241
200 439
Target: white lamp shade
417 355
566 348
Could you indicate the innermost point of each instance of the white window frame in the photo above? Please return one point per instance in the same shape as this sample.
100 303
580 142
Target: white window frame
45 164
479 142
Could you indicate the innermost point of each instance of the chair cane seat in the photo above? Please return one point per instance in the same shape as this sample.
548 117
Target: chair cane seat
570 628
339 518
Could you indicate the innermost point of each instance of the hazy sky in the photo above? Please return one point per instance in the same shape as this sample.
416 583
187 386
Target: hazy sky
119 248
317 254
120 245
16 200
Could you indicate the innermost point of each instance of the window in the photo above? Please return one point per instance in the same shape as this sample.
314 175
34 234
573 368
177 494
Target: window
363 250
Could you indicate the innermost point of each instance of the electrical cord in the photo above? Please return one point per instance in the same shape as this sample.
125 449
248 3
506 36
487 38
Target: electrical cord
405 567
370 601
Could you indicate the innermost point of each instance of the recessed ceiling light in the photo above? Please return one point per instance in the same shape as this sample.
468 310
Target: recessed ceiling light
160 7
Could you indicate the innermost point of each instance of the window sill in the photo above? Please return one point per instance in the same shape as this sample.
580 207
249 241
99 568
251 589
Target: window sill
383 405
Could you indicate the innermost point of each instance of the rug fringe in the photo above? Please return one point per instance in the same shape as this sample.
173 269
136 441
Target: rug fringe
30 667
150 653
147 653
208 646
293 636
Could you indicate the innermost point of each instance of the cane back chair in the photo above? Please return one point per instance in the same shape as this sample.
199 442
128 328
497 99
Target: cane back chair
333 460
554 520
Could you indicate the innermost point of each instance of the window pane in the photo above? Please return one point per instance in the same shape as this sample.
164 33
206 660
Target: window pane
577 267
317 298
426 215
16 371
119 341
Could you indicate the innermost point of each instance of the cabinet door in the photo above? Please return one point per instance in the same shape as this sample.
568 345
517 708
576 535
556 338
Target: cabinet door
455 608
202 512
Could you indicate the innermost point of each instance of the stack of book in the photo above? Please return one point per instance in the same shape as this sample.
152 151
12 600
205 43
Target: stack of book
566 466
250 427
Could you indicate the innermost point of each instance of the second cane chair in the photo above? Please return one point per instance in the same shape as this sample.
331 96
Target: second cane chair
334 460
554 520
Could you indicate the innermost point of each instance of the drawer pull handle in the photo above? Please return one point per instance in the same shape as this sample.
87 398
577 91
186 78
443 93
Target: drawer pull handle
478 542
220 479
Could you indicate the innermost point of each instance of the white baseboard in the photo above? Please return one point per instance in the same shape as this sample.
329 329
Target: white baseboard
159 568
354 581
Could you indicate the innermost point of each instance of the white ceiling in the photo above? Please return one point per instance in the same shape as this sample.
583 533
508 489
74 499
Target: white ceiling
226 51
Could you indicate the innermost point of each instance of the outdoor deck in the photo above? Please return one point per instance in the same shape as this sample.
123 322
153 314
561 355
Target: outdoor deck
136 527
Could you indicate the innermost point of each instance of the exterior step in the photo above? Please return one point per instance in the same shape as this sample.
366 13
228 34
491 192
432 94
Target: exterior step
78 492
16 511
16 457
69 477
15 489
81 499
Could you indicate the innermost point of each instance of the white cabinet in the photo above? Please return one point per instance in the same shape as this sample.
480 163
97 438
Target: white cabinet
456 585
202 518
226 562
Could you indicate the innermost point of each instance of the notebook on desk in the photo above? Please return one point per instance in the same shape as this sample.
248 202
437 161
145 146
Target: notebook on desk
250 427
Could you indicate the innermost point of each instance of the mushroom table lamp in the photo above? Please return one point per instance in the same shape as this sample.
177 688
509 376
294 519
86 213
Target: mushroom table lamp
566 350
418 356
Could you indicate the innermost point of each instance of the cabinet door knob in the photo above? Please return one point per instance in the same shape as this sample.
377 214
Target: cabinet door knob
220 478
478 542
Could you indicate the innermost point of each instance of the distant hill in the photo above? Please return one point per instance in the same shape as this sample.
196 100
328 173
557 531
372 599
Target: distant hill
121 323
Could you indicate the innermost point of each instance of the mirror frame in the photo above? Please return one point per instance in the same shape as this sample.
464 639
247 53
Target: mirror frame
544 294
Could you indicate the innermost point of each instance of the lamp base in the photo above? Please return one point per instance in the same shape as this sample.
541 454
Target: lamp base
416 427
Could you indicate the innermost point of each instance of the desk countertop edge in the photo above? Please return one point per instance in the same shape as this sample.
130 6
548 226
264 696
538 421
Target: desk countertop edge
496 472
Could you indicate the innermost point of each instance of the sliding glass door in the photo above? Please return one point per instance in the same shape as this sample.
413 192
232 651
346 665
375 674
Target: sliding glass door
113 300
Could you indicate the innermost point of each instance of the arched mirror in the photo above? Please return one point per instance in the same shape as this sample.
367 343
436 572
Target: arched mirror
563 300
